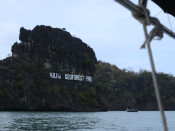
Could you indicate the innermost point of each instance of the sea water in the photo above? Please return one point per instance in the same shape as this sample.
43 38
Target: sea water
85 121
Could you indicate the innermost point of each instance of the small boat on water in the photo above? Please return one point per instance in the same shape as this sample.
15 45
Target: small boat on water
131 110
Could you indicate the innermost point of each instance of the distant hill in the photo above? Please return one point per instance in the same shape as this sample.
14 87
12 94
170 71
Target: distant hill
121 89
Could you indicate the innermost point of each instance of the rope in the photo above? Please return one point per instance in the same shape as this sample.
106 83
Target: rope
155 81
169 21
157 31
158 13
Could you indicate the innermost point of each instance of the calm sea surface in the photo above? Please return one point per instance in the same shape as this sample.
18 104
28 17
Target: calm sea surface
84 121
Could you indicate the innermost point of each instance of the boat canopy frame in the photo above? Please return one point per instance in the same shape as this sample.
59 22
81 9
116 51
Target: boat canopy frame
139 11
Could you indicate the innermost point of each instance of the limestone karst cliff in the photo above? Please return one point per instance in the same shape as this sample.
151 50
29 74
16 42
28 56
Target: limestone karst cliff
59 50
48 70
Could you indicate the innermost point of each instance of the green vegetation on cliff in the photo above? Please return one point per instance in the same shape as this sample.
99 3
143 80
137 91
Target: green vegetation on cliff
26 85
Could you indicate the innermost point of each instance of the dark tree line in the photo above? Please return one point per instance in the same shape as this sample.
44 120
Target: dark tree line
26 85
123 89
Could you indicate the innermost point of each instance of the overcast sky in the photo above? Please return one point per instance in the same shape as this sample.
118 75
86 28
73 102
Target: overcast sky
105 25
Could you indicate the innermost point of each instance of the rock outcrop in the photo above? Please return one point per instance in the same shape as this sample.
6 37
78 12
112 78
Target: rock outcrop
49 70
59 50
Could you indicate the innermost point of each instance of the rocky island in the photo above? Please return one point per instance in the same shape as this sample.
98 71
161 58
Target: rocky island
48 70
51 70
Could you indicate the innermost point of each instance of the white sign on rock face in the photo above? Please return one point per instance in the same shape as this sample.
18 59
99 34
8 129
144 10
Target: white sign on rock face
89 78
71 77
79 77
55 75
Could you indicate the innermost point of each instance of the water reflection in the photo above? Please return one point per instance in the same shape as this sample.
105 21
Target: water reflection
46 121
121 121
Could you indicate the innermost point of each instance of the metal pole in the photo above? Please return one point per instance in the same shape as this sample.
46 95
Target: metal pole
138 11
